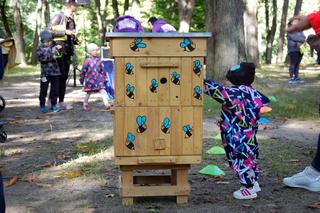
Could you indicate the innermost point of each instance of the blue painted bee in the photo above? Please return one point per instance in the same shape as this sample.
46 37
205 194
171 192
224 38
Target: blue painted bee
130 140
154 86
141 121
188 130
197 93
165 126
129 68
137 44
197 66
175 78
130 91
187 45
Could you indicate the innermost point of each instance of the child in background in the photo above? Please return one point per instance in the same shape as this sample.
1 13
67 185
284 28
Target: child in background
128 23
50 72
240 112
93 77
160 26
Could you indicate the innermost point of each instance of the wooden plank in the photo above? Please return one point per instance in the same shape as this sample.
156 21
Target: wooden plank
186 81
152 179
119 137
156 160
142 132
130 79
175 87
130 127
152 132
187 137
164 113
188 159
119 82
147 191
158 64
197 81
152 75
158 47
141 82
164 84
176 131
197 130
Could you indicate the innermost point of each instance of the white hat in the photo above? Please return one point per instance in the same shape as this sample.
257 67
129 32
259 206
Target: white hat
91 47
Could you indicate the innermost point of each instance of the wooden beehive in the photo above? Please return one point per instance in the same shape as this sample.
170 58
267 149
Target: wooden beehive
159 97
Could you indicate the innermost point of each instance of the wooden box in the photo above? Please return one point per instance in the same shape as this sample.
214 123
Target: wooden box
158 97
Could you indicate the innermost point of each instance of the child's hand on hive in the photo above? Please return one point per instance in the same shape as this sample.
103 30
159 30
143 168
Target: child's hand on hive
58 46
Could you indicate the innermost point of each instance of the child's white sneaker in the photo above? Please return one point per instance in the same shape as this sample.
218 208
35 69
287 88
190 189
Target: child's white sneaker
256 186
245 193
308 179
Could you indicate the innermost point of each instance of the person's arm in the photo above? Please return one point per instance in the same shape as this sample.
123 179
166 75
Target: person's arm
300 23
45 55
314 20
83 71
217 92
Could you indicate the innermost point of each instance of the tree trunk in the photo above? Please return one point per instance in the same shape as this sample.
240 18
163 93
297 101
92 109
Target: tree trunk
283 25
125 6
251 31
36 33
136 9
115 9
271 33
101 22
4 18
266 9
227 46
185 14
19 32
46 12
297 8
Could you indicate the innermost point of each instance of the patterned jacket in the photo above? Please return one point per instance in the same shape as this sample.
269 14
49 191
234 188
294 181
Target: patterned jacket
240 110
49 65
92 75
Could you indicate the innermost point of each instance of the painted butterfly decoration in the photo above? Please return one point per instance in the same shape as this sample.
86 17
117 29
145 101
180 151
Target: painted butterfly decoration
188 130
137 44
165 127
130 91
141 121
187 45
130 140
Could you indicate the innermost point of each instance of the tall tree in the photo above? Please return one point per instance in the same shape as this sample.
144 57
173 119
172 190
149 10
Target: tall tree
282 30
101 22
19 32
185 14
227 47
125 6
36 32
251 31
115 9
297 8
46 12
4 18
271 32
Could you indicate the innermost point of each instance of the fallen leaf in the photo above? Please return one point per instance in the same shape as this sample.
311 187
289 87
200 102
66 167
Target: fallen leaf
33 178
11 182
295 161
314 205
70 174
48 164
245 205
266 127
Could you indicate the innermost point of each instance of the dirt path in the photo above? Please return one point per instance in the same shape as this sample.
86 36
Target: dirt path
64 161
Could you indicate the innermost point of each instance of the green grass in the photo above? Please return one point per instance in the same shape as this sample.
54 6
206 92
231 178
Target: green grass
93 147
19 71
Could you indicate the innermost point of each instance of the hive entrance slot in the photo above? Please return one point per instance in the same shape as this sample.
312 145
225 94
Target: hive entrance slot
163 80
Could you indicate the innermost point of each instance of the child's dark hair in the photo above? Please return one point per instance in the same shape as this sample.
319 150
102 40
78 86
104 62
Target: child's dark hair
242 74
152 20
70 3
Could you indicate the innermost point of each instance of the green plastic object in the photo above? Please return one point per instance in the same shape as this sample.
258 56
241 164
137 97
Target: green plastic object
212 170
216 150
272 98
217 137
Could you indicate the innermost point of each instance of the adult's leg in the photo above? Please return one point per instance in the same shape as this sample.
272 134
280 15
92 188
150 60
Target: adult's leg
5 60
291 65
64 65
2 200
316 160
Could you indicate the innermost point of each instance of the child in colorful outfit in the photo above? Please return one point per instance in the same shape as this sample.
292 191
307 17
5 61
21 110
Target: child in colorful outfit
128 23
50 72
240 112
93 77
160 26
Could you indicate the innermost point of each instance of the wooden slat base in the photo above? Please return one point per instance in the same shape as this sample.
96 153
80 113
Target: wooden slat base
175 184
